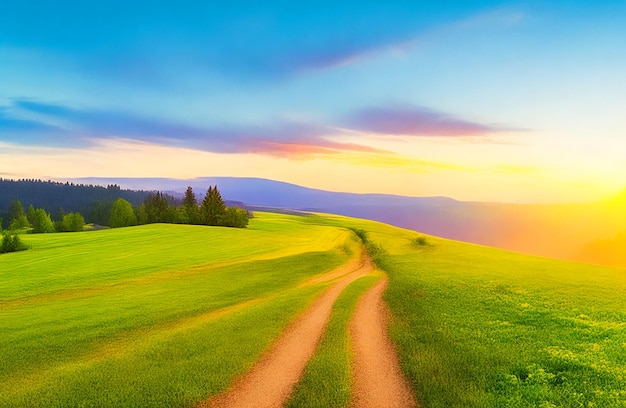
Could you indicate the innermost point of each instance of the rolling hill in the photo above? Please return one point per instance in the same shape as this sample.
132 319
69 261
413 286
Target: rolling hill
581 232
169 315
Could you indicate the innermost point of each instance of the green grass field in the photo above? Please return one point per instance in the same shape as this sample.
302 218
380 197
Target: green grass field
480 327
159 315
166 315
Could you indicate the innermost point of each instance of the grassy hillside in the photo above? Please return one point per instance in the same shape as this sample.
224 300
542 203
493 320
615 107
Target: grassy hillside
165 315
159 315
480 327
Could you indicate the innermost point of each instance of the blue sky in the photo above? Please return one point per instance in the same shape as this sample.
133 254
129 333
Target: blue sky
479 100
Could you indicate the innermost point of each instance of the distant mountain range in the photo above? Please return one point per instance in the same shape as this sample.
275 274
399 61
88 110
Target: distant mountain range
565 231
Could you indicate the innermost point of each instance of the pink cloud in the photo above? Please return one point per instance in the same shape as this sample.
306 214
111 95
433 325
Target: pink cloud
303 149
416 121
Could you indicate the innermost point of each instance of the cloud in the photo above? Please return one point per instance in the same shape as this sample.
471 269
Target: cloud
291 60
8 124
20 129
334 55
408 120
99 122
57 124
305 148
502 17
404 163
401 35
281 138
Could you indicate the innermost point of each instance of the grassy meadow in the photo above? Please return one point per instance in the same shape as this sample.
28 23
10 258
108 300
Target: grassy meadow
481 327
158 315
166 315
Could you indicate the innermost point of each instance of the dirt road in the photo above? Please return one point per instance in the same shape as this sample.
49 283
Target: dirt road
378 381
270 382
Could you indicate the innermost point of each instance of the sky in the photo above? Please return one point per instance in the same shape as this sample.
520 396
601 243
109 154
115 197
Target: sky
515 101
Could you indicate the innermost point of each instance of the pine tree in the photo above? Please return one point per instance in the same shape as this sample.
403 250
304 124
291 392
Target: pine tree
30 214
213 207
189 210
16 210
17 216
158 208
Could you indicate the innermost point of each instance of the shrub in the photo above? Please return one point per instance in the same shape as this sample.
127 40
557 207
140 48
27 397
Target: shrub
72 222
375 251
43 222
421 241
362 234
11 243
235 217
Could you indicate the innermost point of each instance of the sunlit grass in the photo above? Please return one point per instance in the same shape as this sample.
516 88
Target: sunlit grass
481 327
167 315
158 315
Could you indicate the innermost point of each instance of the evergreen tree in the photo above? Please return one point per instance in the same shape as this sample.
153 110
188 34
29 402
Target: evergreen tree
100 213
30 214
189 212
190 198
122 214
17 216
213 207
159 209
16 210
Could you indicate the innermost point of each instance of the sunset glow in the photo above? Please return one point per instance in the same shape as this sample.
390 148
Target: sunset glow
502 101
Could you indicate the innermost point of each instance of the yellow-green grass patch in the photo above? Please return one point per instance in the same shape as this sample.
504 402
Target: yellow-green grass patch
158 315
481 327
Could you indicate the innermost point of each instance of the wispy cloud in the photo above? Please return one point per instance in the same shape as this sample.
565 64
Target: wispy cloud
281 138
53 124
404 163
357 48
20 129
409 120
8 124
256 44
334 55
501 17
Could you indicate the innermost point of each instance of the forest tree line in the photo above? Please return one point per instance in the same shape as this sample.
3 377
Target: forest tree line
62 198
157 207
163 208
